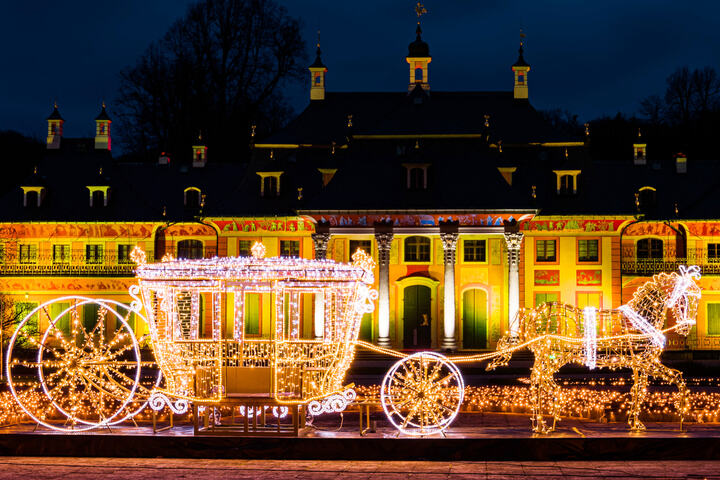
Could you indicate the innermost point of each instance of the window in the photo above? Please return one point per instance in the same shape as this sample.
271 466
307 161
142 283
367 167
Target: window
124 253
589 299
417 178
244 248
318 78
713 252
2 253
649 248
713 318
474 250
93 254
192 198
270 187
62 323
61 254
567 185
588 250
521 78
252 314
647 198
545 250
417 249
541 298
418 74
97 199
364 245
27 253
32 199
190 249
289 248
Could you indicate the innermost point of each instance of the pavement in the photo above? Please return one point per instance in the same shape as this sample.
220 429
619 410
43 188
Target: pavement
164 468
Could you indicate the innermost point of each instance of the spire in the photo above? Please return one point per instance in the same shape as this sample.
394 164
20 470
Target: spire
520 70
55 128
317 75
418 55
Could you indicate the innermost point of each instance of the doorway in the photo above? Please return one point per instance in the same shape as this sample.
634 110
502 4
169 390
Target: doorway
474 318
417 319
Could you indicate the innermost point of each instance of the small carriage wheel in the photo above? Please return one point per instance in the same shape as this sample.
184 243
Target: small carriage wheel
88 371
422 393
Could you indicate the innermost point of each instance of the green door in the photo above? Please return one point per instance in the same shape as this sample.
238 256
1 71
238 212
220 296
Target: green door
366 327
475 318
416 317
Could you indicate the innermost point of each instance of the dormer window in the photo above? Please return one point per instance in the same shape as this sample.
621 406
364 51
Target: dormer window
33 196
192 197
647 198
416 175
566 181
99 196
269 184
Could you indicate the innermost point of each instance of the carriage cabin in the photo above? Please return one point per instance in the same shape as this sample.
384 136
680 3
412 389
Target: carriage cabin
253 327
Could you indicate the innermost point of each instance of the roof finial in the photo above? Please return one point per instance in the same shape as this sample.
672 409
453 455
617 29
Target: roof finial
35 170
420 10
55 104
522 35
103 104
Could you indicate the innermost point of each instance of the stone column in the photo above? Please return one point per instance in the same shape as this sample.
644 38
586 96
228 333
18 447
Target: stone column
513 239
449 237
384 238
320 241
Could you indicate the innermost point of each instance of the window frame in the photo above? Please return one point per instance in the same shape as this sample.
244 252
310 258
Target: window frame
182 241
589 292
715 258
64 261
545 292
599 251
417 262
32 259
299 247
485 251
557 251
97 260
245 239
128 260
351 250
707 319
650 249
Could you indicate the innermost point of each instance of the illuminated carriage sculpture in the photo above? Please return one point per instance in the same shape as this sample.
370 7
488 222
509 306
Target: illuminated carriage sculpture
91 372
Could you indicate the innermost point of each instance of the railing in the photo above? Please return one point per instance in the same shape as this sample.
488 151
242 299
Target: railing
669 263
73 264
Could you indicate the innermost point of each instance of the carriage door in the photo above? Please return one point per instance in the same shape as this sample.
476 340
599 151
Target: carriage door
416 317
474 318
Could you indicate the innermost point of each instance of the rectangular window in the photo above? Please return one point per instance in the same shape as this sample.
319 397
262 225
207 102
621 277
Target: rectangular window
61 254
252 314
541 298
124 253
713 318
244 248
27 254
589 299
62 321
588 250
417 249
713 252
365 245
93 254
474 250
545 250
2 253
289 248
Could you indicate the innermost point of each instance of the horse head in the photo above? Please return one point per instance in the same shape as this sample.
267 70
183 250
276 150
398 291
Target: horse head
685 297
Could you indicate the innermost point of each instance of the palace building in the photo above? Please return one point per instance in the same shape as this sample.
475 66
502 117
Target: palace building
471 203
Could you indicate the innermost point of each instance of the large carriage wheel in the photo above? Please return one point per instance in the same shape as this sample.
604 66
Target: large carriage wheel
88 369
422 393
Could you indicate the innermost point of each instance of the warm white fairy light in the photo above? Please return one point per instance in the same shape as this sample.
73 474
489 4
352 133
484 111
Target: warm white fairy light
590 334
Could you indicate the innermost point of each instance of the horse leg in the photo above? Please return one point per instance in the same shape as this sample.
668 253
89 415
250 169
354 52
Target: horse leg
543 395
537 395
673 376
638 392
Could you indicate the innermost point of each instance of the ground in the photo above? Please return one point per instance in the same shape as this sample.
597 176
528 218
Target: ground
133 468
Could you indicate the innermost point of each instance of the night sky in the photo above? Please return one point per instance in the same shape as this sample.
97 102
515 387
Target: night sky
591 58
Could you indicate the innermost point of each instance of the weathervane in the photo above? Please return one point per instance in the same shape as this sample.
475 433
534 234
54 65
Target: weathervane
522 35
420 10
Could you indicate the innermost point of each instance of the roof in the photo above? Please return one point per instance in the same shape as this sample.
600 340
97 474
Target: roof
418 48
521 60
318 61
103 114
55 115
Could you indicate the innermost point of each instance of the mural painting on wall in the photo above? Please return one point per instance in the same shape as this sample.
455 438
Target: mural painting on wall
653 228
264 225
76 230
66 285
547 277
494 219
572 225
589 277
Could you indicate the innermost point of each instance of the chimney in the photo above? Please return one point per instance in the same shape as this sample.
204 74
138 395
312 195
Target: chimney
680 163
164 159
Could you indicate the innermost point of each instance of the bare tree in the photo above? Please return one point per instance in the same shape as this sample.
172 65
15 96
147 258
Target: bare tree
653 107
221 68
706 89
679 95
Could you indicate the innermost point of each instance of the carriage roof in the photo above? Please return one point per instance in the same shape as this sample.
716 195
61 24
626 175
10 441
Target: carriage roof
253 269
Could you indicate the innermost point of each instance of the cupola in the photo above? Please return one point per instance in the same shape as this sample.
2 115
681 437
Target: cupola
55 129
317 75
418 56
520 70
102 130
639 150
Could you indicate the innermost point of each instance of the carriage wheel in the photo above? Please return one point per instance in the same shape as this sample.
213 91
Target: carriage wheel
422 393
88 368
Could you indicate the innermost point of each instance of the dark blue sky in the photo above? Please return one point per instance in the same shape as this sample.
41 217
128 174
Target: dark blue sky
588 57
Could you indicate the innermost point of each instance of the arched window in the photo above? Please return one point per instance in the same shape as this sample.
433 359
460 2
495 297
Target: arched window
567 185
192 198
417 178
418 74
32 199
417 249
270 186
98 199
649 248
189 249
647 198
